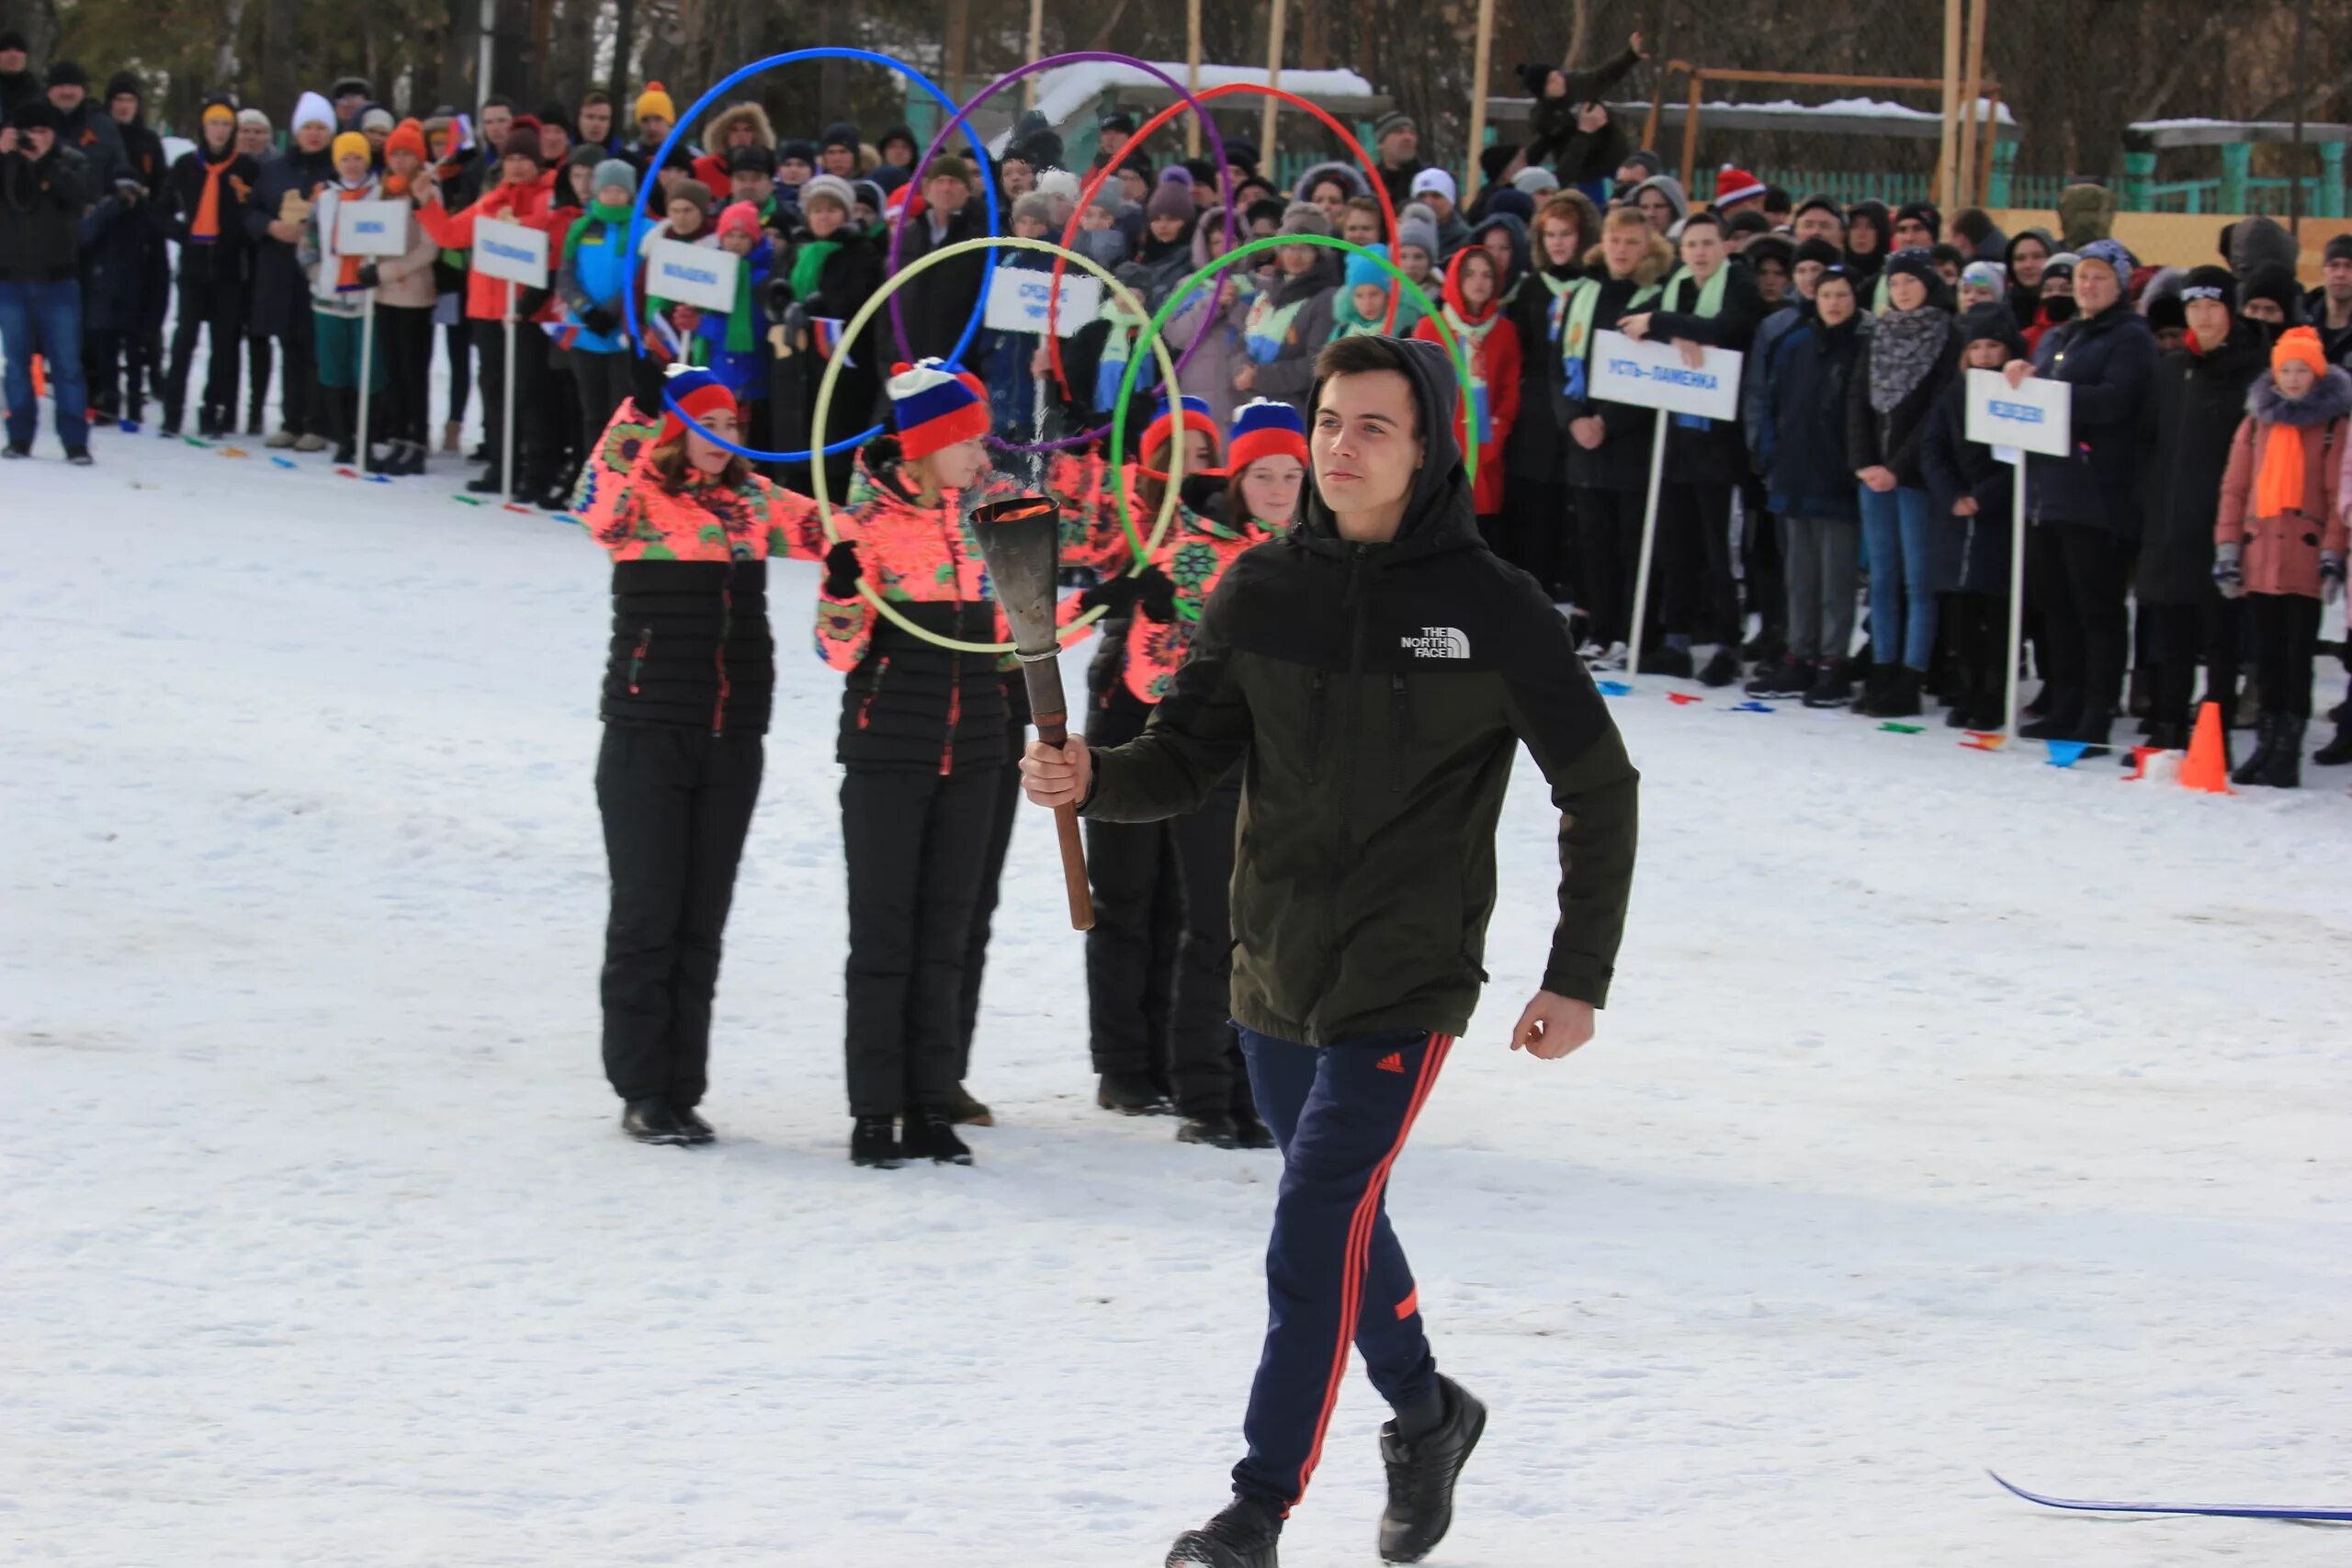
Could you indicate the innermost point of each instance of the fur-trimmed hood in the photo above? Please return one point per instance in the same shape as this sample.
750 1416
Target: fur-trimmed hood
1348 175
2327 403
734 114
1653 268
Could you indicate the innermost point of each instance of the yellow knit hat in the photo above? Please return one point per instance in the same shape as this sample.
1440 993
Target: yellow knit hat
351 142
654 101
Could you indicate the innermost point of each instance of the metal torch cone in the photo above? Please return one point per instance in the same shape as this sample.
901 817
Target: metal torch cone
1020 538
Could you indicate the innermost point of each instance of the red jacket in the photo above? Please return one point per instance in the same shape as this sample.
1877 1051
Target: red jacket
531 205
1494 365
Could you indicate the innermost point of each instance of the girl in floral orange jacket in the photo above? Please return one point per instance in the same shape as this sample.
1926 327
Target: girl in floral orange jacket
1158 1010
687 685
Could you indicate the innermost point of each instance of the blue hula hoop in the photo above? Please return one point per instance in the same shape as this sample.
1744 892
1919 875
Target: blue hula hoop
638 223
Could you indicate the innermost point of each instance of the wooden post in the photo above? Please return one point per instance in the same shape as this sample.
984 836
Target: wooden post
1947 147
1690 132
1036 51
1480 60
955 46
1970 191
1273 79
1192 73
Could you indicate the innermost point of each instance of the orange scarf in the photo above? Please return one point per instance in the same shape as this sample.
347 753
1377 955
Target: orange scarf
206 227
347 275
2279 483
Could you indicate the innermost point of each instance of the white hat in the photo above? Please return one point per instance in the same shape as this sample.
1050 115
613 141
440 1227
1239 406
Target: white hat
312 109
1436 180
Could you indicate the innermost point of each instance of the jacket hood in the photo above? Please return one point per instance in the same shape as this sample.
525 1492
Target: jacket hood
2327 401
1989 321
2085 212
1666 184
1653 268
752 115
2253 242
1350 175
1441 514
1522 252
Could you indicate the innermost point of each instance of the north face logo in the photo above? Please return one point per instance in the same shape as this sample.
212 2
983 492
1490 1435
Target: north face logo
1437 642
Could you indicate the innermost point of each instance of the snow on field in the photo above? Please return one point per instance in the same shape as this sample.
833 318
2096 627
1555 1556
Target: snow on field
1953 1111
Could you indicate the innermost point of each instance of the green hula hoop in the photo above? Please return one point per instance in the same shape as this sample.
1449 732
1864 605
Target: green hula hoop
1183 291
831 378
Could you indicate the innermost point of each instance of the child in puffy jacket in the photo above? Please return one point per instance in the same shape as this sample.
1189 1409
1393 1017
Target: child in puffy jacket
2280 538
593 282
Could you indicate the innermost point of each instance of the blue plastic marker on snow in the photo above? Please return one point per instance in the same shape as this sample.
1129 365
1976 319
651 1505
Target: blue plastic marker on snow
1749 707
1613 688
285 462
2066 753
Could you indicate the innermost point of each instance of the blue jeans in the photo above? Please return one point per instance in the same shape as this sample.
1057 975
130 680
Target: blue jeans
1335 1275
1898 532
44 319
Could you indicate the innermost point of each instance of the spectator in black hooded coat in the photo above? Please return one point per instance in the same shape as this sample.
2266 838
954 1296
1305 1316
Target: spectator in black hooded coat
19 83
1969 492
1537 515
2194 400
1868 229
127 281
204 202
281 293
82 123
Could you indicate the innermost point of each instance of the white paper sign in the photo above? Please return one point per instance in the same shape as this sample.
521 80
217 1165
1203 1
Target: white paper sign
2034 416
514 251
371 228
1652 375
1019 296
700 276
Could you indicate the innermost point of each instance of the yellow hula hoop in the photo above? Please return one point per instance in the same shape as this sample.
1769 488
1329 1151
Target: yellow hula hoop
867 312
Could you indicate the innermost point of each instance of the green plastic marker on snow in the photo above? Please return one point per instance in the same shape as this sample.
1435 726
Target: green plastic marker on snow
1894 728
466 500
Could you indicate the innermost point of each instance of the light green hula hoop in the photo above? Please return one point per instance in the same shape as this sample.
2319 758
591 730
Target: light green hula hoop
1184 292
832 376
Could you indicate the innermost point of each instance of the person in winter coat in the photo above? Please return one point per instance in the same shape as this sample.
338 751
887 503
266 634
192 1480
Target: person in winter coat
923 735
84 124
20 84
1609 455
339 286
525 195
1910 357
738 125
1166 253
1472 307
2196 401
1660 199
282 294
1539 528
1289 320
1970 492
1867 245
829 269
1710 303
204 199
1810 260
593 280
940 303
1209 375
2279 539
407 295
1801 444
2329 308
1372 671
2083 510
43 191
122 311
732 343
687 688
2022 264
1570 129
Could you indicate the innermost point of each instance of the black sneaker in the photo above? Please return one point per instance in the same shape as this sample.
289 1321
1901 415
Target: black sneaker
1831 688
1215 1129
874 1141
697 1130
489 484
653 1122
13 451
1722 669
1787 678
1244 1535
1421 1477
1249 1133
78 456
1130 1094
1673 662
931 1134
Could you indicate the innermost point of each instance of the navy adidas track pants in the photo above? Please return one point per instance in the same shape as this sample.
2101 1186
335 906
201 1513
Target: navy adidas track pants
1335 1274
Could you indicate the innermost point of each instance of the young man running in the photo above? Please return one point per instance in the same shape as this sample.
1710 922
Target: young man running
1378 668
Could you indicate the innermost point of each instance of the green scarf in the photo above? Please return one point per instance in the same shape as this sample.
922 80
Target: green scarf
809 265
1582 298
741 338
1711 293
1347 324
610 217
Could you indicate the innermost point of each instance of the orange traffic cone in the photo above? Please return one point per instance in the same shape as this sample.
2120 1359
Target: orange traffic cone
2207 765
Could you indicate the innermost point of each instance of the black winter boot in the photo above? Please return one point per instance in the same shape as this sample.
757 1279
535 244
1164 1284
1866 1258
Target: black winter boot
2339 752
2255 769
1784 677
2285 770
1244 1535
1249 1133
2062 714
1422 1475
1722 669
697 1130
931 1134
1131 1094
873 1141
1900 696
1215 1128
653 1122
1831 688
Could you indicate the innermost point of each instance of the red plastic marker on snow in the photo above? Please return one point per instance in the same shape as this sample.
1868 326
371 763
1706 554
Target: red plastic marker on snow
1683 699
1984 740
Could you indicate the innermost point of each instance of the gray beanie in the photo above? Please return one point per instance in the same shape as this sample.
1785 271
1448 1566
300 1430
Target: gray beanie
1536 180
830 187
1418 231
614 172
1035 204
1304 218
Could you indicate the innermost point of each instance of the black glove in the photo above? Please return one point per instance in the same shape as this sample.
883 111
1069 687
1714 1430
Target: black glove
842 571
368 274
778 298
1156 595
1152 592
1204 493
600 321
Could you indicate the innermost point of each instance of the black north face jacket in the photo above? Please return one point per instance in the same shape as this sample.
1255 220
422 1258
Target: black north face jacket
1379 694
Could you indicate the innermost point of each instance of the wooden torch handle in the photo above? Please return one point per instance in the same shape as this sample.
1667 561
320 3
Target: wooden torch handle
1052 729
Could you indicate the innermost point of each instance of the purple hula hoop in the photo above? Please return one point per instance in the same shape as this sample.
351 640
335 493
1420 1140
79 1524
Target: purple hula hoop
914 183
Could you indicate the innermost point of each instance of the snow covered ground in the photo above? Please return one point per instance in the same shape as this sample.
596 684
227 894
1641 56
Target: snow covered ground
1953 1110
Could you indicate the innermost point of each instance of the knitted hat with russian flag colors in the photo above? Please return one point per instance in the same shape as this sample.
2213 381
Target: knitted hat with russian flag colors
697 390
935 406
1265 427
1193 414
1733 184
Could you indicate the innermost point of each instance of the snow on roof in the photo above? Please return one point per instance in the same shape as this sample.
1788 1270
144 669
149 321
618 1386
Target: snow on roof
1069 91
1844 108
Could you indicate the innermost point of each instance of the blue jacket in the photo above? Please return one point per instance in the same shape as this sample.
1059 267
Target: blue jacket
594 277
746 374
2109 360
1800 442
